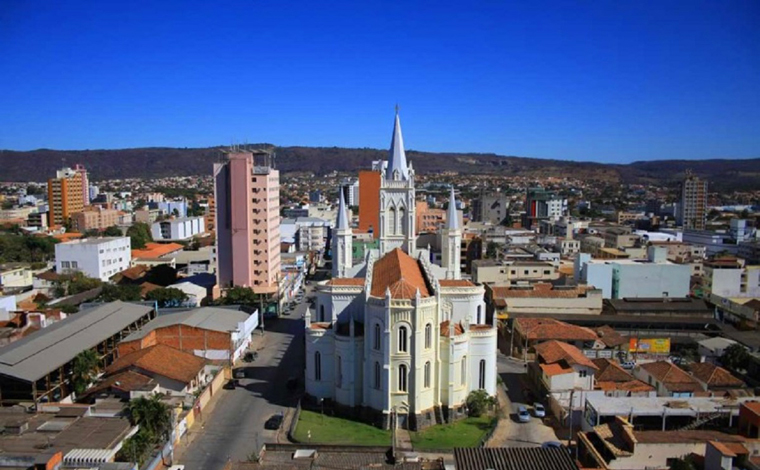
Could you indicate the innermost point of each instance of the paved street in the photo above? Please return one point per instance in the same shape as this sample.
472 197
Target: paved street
235 427
510 432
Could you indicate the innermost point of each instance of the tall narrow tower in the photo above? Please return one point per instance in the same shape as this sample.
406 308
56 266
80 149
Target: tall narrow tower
342 241
451 241
397 216
693 210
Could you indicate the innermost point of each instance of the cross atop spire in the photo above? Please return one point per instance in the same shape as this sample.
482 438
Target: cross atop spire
396 155
342 222
452 221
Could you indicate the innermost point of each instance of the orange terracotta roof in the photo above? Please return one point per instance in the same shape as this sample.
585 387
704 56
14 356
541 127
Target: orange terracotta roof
730 449
458 329
632 386
714 376
156 250
609 336
610 371
321 326
135 272
555 369
125 381
67 236
146 287
346 281
753 406
161 360
480 327
399 273
544 329
556 351
538 290
672 376
455 283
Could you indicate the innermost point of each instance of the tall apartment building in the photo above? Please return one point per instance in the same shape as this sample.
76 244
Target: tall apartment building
350 188
693 213
94 218
100 258
541 204
82 172
65 195
369 195
490 207
247 196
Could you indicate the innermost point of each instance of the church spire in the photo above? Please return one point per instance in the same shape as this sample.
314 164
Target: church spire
452 221
342 222
396 155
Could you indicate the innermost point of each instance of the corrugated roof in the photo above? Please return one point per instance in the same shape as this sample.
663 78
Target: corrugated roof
205 318
399 273
513 458
34 356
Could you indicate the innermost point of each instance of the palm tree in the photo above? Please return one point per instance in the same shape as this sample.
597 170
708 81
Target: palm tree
151 414
84 369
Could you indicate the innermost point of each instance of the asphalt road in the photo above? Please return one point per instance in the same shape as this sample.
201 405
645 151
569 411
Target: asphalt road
235 427
530 434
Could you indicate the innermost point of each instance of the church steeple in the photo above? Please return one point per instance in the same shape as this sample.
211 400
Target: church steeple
452 221
342 241
396 155
342 222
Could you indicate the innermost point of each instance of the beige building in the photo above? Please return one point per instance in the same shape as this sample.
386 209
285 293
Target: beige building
94 218
65 196
486 271
544 299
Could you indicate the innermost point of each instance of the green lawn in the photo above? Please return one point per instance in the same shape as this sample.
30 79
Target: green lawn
330 430
464 433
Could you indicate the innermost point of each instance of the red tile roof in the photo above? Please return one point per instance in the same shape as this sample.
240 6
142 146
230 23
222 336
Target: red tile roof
673 377
544 329
613 377
399 273
127 381
556 351
538 290
458 329
714 376
610 337
161 360
455 283
155 250
555 369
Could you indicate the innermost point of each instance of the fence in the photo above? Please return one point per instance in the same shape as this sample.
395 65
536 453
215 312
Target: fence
294 423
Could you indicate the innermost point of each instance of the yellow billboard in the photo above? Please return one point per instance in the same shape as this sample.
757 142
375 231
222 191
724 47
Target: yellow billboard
649 345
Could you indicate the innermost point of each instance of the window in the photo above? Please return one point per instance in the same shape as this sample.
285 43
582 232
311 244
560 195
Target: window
376 337
428 336
321 313
463 372
513 272
402 377
582 374
402 339
427 374
377 375
482 374
526 272
317 366
479 320
65 264
547 272
392 221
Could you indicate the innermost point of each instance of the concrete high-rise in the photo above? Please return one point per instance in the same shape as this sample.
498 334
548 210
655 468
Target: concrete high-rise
82 172
693 210
65 195
541 204
369 195
247 196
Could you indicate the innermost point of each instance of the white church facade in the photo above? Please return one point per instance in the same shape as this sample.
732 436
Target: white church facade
396 334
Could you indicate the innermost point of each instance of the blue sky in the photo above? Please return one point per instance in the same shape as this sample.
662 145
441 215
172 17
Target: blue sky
610 81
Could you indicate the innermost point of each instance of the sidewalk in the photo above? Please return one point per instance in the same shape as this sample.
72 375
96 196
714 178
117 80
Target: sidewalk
258 342
503 431
403 440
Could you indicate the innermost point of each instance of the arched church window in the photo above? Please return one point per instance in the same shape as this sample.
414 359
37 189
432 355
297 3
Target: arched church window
427 374
376 337
482 374
321 313
402 339
377 375
428 336
317 366
402 377
401 221
480 318
392 221
463 372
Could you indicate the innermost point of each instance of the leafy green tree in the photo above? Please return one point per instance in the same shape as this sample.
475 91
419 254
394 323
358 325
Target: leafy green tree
239 296
112 231
492 250
84 369
125 293
686 463
735 357
478 402
151 414
140 234
69 309
79 283
167 297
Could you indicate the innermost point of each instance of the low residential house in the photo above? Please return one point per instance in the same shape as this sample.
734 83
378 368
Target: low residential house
195 293
125 386
544 299
717 380
618 446
749 419
155 254
530 331
614 381
562 371
15 276
728 456
668 379
713 348
45 282
177 372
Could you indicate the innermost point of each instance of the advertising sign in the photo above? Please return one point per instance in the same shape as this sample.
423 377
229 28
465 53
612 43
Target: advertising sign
649 345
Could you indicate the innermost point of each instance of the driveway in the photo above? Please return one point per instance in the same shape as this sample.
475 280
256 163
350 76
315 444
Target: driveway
234 429
515 392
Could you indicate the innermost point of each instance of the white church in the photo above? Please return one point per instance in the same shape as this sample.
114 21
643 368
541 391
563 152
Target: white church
396 334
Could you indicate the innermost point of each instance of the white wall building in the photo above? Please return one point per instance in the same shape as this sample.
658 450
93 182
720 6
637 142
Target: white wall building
195 293
395 333
178 229
100 258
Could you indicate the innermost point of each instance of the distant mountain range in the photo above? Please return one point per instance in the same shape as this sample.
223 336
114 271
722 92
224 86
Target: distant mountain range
38 165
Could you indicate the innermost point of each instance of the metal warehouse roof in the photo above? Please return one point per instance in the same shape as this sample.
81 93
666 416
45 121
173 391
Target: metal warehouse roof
513 458
207 318
34 356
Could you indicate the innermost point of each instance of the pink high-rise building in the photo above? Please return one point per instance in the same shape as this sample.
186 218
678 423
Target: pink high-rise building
82 171
247 195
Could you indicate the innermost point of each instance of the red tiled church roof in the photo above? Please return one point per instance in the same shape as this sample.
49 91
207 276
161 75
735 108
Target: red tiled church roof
399 273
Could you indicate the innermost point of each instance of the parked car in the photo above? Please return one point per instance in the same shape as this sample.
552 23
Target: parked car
522 414
538 410
239 373
274 422
628 365
231 384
